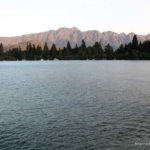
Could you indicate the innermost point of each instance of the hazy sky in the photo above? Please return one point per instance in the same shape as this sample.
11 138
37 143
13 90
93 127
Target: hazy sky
29 16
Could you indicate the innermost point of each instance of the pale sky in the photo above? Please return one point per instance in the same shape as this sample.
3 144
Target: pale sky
31 16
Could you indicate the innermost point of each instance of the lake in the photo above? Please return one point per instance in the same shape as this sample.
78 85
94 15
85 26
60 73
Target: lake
74 105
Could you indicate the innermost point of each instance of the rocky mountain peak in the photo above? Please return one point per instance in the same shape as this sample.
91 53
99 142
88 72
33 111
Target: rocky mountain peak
61 36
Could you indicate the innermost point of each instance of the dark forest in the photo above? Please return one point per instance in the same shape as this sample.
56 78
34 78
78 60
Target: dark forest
134 50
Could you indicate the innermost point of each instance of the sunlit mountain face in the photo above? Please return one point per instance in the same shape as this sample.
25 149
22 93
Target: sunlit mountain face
61 36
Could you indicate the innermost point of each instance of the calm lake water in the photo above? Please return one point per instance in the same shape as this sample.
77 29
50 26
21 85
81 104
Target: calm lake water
75 105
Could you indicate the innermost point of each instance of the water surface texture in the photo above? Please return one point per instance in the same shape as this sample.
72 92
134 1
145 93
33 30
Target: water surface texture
74 105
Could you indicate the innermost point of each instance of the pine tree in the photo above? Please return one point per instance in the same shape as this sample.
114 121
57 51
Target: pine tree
45 52
74 52
38 53
29 52
1 49
97 51
109 52
135 42
68 50
53 51
83 50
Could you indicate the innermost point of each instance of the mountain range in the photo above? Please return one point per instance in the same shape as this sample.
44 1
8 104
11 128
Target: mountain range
61 36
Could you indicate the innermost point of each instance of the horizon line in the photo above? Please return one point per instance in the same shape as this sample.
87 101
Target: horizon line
76 28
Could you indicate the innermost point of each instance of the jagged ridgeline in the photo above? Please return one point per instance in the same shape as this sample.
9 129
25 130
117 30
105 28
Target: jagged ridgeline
134 50
61 36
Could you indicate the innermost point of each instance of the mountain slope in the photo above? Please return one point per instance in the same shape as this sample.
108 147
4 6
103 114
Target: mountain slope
74 35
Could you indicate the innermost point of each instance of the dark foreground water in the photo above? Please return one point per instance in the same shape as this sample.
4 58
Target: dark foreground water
75 105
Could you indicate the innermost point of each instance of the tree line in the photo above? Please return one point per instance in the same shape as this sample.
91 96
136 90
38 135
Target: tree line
132 51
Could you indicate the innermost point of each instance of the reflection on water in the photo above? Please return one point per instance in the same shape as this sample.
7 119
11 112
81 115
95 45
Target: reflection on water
74 105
